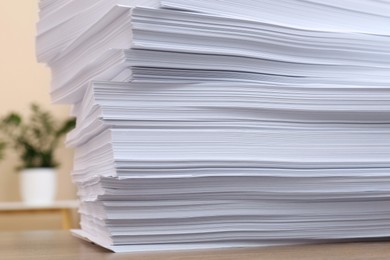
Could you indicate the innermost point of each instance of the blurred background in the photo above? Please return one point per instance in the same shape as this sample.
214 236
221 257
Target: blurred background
22 82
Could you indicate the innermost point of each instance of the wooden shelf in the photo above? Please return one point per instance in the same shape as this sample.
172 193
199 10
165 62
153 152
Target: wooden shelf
64 208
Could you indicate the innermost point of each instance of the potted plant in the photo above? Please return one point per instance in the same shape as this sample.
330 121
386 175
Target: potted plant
36 140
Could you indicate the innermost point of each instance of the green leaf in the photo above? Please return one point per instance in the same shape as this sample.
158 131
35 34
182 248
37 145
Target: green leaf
2 146
66 127
12 119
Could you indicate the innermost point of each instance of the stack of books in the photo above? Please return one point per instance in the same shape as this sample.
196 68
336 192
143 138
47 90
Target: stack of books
209 124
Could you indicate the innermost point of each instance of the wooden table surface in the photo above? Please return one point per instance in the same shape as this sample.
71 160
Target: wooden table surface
62 245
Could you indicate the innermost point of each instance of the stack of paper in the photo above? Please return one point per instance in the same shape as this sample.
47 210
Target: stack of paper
206 124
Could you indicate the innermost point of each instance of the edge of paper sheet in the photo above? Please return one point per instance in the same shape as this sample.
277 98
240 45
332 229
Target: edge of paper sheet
165 247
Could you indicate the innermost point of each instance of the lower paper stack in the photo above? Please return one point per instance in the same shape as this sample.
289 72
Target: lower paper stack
158 171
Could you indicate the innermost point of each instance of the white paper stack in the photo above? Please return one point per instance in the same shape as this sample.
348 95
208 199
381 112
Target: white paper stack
204 124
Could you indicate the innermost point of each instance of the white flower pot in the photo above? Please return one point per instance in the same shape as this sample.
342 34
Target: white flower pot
38 186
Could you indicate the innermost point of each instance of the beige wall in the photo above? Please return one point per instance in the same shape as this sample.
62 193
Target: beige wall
22 81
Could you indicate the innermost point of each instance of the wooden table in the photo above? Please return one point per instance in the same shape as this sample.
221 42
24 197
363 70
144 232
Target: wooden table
64 208
52 245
